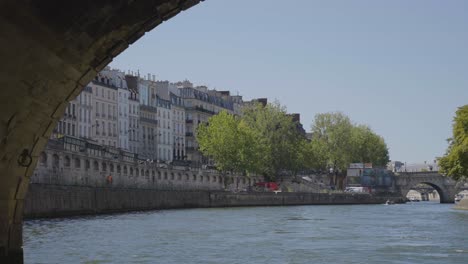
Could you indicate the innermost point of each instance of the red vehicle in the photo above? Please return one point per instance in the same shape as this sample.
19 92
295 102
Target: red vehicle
271 186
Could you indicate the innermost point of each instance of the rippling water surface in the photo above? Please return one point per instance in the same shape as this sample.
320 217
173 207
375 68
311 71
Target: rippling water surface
422 232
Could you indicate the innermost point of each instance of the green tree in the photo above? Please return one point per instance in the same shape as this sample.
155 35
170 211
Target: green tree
455 162
230 143
331 137
368 146
316 155
278 138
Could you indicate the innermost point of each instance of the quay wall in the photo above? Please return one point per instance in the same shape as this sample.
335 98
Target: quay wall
64 163
44 200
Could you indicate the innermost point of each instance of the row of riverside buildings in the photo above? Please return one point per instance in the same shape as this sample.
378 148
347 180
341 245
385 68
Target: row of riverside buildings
156 120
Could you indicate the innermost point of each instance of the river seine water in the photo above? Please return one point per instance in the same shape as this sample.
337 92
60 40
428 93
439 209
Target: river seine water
424 232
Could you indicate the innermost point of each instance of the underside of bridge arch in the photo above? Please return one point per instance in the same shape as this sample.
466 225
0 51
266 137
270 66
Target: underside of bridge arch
50 50
444 194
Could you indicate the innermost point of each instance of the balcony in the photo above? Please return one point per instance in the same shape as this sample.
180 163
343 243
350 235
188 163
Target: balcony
148 108
189 121
148 120
201 109
189 134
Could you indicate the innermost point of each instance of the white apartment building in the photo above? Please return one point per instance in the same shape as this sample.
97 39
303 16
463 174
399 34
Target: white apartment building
76 121
133 114
84 111
178 126
117 79
123 118
104 120
68 124
133 121
165 140
148 121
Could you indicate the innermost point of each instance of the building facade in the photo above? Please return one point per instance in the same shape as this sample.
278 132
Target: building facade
178 127
104 119
200 105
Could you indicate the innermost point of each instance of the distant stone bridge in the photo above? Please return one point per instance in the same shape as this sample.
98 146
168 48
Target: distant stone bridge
445 186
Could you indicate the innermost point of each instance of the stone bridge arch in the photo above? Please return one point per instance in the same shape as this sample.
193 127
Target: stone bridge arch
445 186
50 50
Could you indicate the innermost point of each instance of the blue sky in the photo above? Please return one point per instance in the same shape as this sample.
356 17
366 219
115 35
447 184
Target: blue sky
398 66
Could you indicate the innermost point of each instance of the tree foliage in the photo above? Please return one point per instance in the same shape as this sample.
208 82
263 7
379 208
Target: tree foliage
455 162
230 142
265 140
368 146
279 138
332 133
337 142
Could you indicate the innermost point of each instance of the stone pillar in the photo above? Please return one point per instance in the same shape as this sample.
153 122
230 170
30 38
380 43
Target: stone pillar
15 180
11 250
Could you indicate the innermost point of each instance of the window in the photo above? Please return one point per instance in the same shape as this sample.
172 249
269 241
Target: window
55 160
67 161
77 163
43 159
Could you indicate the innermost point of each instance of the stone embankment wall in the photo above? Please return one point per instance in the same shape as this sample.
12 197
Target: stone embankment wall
55 201
65 163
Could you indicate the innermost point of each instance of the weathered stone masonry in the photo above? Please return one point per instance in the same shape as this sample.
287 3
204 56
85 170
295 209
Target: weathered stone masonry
63 163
